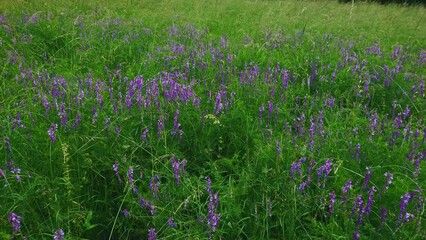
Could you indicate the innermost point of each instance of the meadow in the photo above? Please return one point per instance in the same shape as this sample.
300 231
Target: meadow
216 119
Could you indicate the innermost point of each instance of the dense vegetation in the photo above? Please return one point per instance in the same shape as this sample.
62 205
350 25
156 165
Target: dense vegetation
127 122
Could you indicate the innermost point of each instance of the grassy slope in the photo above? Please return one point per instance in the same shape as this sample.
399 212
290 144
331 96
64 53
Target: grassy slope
393 24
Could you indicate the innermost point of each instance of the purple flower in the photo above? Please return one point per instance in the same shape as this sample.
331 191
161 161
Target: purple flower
345 190
152 235
356 235
370 201
115 168
51 131
383 215
63 114
358 207
389 178
332 201
154 185
324 171
130 177
208 184
77 121
59 235
160 125
366 178
402 207
171 223
126 213
357 151
144 133
14 220
406 112
176 124
261 110
296 167
278 148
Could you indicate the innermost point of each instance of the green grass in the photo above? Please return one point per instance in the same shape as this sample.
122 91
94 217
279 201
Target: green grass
111 73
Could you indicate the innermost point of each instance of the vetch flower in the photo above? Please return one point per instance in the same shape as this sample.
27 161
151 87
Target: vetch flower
14 220
331 204
59 235
403 206
152 235
115 168
383 215
51 131
160 126
154 185
130 177
370 201
345 190
125 213
366 178
171 223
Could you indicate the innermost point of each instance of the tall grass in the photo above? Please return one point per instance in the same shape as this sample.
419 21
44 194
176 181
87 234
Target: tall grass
223 119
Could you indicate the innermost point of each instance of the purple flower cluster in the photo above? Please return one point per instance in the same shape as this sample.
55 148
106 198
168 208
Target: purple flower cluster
154 185
152 234
178 167
324 171
59 235
14 221
213 217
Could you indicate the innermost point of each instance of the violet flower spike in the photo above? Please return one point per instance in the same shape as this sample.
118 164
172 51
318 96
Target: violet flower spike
14 220
51 131
59 235
152 235
171 223
366 178
332 201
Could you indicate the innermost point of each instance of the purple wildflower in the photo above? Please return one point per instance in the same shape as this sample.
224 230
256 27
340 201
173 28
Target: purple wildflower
389 178
324 171
126 213
406 112
130 176
51 131
402 207
59 235
296 167
356 235
115 168
177 167
358 207
152 235
345 190
77 120
176 124
332 201
14 220
261 110
171 223
366 178
154 185
278 148
208 184
144 133
383 215
370 201
160 125
63 114
357 152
